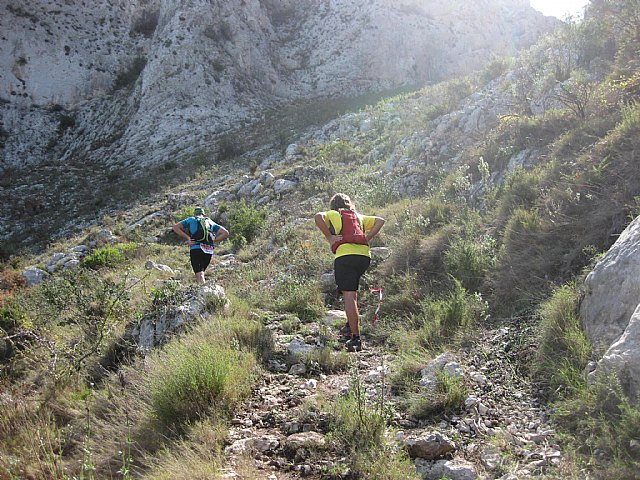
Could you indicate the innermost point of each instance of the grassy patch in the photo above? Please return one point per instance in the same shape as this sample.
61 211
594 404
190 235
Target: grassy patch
245 222
109 256
357 427
194 375
447 396
563 349
326 360
602 426
441 319
299 297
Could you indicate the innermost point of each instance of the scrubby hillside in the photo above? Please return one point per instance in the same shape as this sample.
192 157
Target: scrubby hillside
101 103
500 191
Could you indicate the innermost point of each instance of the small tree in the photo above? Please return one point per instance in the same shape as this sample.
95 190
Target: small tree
576 94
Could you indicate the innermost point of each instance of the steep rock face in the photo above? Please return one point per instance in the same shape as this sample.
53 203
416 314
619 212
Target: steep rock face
200 67
610 311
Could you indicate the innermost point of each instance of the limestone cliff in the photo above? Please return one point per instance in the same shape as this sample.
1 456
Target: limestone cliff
133 82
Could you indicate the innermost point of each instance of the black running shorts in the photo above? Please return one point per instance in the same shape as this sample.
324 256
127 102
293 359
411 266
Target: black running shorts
348 269
199 260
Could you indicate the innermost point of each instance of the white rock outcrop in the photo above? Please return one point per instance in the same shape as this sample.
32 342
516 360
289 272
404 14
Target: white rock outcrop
610 310
154 330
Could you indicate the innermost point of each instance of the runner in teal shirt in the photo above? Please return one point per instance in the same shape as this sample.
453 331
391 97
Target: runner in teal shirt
200 252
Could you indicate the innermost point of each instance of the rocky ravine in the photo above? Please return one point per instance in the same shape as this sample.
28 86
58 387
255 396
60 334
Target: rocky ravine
501 431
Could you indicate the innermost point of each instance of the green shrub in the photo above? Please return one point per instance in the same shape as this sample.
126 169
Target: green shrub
493 69
12 318
253 336
447 396
358 423
406 374
326 360
300 297
190 379
339 151
521 189
167 294
146 23
128 77
12 315
108 256
245 222
469 261
385 463
525 261
83 310
563 349
229 147
600 423
441 318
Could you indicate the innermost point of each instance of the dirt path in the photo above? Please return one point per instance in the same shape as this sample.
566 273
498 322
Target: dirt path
501 431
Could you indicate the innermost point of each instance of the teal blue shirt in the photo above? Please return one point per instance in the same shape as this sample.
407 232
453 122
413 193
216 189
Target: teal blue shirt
191 225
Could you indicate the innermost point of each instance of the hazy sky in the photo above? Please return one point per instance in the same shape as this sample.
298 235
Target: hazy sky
559 8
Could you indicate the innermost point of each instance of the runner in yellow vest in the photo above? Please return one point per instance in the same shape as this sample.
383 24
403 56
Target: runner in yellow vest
352 254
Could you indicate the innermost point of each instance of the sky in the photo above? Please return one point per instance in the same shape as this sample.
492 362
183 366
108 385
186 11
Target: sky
559 8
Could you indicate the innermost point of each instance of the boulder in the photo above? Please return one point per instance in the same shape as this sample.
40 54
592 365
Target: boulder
331 317
176 201
33 276
308 440
623 358
445 362
282 185
613 289
610 310
291 153
456 469
102 238
299 347
155 329
429 447
298 369
266 178
151 265
253 444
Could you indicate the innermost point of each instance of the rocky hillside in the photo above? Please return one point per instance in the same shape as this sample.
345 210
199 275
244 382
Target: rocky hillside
94 94
491 354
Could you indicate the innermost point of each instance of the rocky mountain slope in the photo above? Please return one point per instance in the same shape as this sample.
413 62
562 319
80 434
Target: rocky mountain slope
499 191
94 93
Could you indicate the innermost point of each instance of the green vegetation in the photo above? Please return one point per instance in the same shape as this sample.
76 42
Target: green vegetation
110 256
192 379
130 74
564 350
482 227
299 297
357 428
599 422
448 395
245 222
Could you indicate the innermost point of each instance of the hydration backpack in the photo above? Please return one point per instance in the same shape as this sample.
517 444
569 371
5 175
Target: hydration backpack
202 233
351 230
